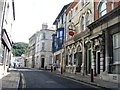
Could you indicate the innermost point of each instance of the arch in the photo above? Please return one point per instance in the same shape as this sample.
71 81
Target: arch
82 22
88 16
79 47
102 7
73 49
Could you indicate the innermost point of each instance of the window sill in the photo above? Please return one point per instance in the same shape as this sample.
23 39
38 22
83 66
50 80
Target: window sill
1 63
116 63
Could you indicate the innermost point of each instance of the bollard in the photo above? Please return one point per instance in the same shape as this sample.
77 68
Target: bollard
91 75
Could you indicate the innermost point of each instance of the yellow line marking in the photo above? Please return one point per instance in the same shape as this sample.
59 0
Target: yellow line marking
23 82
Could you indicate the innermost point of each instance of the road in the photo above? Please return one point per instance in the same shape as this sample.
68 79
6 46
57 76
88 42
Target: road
45 79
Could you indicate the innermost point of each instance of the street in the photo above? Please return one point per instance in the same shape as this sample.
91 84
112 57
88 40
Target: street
45 79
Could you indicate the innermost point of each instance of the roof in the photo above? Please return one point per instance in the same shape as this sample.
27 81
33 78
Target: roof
72 5
61 12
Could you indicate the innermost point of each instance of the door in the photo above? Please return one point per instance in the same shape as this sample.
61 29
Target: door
79 61
42 62
97 62
88 61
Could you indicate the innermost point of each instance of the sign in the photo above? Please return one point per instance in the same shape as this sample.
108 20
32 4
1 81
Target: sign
71 33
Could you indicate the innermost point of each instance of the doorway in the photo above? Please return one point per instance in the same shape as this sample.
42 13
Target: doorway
79 61
98 62
42 62
88 61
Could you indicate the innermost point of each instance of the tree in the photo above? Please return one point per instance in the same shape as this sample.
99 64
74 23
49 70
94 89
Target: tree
18 48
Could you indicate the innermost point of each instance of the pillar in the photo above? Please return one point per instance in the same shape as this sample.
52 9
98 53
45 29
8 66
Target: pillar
107 51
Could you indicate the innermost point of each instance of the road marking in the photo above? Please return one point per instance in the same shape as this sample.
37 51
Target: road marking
23 82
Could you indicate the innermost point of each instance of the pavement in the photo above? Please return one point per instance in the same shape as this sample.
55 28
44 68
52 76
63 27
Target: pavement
11 80
86 79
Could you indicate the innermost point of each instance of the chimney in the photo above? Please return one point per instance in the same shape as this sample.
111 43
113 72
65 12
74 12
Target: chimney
44 26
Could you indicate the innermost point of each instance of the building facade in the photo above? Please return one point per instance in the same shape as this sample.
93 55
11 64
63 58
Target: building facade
78 17
43 47
104 35
7 17
31 48
59 38
94 44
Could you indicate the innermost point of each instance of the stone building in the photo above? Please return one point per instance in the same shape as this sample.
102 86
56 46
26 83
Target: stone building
104 38
31 47
43 47
78 17
7 17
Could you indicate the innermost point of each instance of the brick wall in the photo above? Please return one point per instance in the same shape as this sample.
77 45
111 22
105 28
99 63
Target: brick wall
109 7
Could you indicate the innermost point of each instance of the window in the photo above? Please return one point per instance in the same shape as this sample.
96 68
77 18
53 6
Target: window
87 19
112 4
43 46
38 48
82 23
50 60
43 35
62 19
116 47
61 34
102 8
82 3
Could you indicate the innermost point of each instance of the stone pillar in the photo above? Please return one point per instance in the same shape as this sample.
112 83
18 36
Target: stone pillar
93 57
83 58
107 51
72 58
9 62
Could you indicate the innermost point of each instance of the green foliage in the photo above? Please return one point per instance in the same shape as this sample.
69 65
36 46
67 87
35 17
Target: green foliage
18 48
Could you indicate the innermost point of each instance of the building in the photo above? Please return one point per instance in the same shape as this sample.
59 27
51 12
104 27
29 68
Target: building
79 15
31 49
59 38
43 47
7 17
104 38
93 43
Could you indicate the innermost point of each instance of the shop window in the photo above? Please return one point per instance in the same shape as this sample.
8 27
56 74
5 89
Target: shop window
116 48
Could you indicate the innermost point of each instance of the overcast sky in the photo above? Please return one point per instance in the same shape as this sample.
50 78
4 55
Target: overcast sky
30 14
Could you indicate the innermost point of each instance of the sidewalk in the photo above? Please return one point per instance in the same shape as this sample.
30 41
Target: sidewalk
11 80
86 79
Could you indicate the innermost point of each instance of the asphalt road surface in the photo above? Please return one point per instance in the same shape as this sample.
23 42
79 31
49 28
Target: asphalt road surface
45 79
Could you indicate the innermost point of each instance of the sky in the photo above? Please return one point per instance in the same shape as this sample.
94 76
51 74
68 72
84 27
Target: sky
30 14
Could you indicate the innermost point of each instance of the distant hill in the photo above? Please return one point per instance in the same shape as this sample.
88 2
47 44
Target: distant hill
18 48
